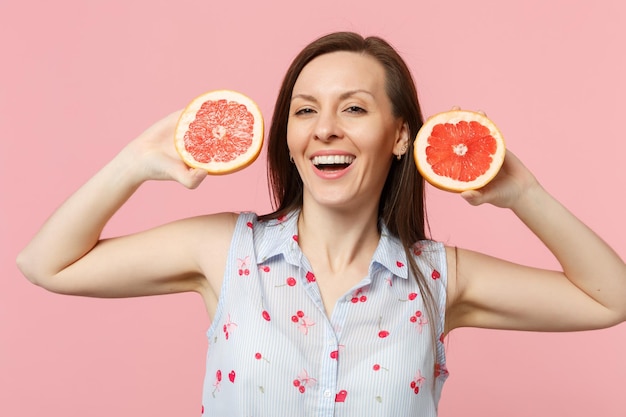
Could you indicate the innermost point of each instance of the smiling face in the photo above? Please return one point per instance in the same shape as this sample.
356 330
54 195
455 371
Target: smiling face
341 130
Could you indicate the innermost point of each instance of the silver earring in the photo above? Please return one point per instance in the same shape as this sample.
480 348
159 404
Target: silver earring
399 156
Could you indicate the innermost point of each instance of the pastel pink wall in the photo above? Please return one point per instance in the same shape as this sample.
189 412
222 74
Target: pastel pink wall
79 79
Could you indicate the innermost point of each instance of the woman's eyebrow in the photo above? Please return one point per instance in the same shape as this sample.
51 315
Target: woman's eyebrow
304 97
351 93
343 96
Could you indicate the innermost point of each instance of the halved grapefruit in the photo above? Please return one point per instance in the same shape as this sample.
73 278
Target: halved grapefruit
459 150
220 131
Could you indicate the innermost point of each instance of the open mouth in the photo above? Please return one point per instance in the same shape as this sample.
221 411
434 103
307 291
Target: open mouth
332 162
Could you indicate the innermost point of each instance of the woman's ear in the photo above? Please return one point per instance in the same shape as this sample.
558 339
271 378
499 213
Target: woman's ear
402 140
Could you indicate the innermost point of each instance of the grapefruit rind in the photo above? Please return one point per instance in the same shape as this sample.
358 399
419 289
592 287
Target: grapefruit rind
454 117
188 116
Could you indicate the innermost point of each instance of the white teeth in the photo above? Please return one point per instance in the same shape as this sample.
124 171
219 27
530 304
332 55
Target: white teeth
332 159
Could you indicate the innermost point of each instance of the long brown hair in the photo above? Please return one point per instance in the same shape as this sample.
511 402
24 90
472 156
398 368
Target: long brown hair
401 206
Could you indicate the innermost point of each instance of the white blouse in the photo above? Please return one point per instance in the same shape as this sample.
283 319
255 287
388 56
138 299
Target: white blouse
274 352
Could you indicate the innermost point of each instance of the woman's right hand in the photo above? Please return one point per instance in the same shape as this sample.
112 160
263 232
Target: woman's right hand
154 155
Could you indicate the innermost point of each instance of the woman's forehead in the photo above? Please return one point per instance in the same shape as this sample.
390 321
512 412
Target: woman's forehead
338 72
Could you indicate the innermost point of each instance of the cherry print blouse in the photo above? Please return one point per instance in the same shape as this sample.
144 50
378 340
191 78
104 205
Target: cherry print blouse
274 352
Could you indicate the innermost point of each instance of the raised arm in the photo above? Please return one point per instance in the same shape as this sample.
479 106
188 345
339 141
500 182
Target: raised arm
68 256
589 292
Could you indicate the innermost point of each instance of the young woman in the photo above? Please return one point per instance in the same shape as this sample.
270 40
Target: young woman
337 303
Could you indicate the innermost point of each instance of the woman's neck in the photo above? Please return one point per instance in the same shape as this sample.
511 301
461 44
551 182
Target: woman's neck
338 238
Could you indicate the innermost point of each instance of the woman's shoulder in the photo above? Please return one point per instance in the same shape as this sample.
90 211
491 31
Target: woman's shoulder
218 225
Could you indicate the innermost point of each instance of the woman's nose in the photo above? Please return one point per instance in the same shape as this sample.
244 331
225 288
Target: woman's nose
327 127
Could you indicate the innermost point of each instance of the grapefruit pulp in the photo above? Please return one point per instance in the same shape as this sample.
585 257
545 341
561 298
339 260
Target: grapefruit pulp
220 131
459 150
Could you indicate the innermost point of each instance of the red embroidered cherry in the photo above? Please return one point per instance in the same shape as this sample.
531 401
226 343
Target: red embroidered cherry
341 396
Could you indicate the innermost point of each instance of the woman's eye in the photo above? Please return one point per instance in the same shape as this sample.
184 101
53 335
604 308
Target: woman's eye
355 109
304 111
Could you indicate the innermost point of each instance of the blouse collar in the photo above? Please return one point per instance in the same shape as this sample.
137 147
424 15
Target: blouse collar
281 238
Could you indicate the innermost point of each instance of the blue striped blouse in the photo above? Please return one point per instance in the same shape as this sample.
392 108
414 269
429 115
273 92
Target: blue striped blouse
274 352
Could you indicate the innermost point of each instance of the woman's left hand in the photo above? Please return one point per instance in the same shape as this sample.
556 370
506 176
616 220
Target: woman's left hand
511 182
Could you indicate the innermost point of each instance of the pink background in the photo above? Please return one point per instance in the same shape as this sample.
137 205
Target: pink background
79 79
